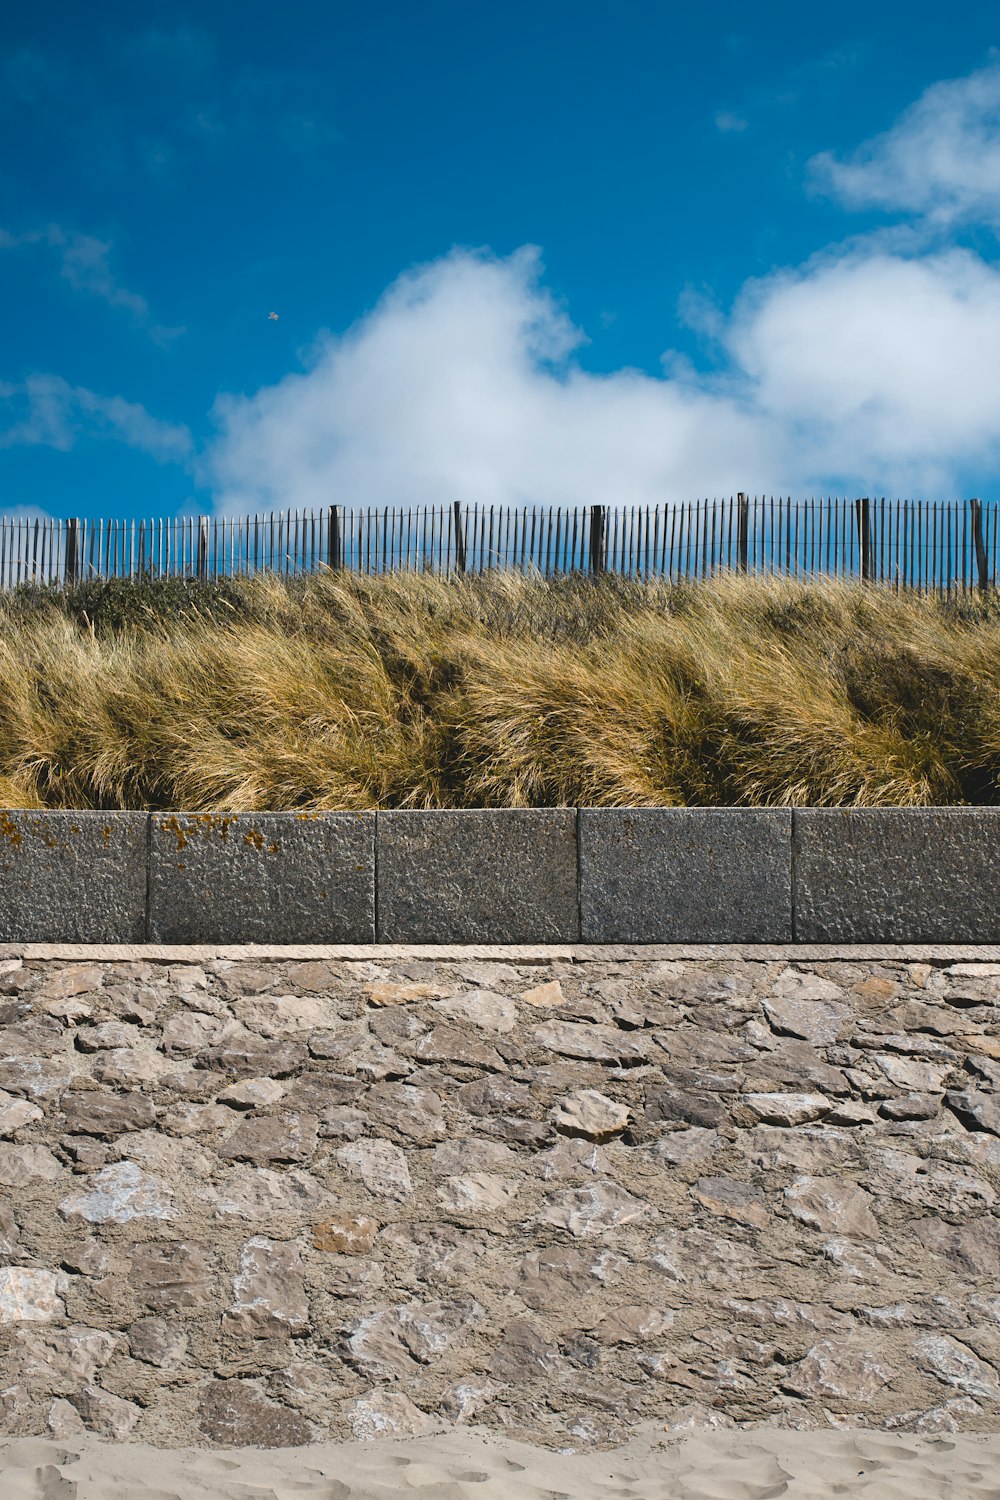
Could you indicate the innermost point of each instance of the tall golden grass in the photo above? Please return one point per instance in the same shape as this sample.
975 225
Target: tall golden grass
412 690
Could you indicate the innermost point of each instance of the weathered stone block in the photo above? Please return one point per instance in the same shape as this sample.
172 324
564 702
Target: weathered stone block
685 875
262 877
896 875
479 876
73 877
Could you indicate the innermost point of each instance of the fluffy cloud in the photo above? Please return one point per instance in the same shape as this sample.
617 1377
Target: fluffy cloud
46 410
865 370
941 158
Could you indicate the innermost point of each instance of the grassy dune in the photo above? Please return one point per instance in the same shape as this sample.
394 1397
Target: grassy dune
414 691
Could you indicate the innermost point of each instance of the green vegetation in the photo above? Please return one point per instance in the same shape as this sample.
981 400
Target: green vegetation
408 690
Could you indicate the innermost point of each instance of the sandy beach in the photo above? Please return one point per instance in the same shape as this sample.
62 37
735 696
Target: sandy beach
755 1464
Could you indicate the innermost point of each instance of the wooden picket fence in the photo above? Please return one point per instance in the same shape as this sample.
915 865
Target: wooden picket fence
948 546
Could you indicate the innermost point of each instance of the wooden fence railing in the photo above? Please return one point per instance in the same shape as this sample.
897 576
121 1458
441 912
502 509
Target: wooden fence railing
942 546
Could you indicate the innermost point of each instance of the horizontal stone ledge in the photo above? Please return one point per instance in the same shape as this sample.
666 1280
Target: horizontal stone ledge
939 953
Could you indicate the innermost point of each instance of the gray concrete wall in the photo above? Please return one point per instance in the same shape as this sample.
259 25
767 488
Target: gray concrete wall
548 875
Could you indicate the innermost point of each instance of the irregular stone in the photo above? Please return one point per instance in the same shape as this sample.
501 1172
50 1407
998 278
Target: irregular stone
455 1157
954 1364
63 1420
105 1036
477 1193
675 1106
251 1058
37 1076
682 1147
832 1205
457 1044
593 1209
573 1157
269 1297
61 1360
157 1342
949 1189
172 1276
541 995
976 1111
841 1370
786 1109
481 1008
104 1413
812 1018
911 1107
971 1249
357 1054
555 1277
779 1312
260 1193
911 1074
345 1276
497 1096
855 1261
730 1199
281 1015
523 1353
9 1233
265 1138
380 1165
464 1402
74 979
124 1068
252 1093
381 1414
410 1111
634 1324
237 1414
596 1043
30 1295
119 1194
590 1114
386 992
23 1164
313 974
345 1234
95 1112
190 1032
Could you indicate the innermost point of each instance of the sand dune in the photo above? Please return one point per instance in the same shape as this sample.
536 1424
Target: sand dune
755 1464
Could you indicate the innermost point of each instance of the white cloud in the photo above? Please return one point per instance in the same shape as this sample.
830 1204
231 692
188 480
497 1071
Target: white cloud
940 159
85 263
462 385
727 121
45 410
865 370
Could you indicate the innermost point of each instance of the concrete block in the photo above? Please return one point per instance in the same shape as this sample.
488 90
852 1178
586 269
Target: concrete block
685 875
481 876
896 875
262 877
76 877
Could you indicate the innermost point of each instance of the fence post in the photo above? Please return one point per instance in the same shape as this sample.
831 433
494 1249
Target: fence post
459 536
335 558
202 546
598 540
976 507
742 531
863 510
72 565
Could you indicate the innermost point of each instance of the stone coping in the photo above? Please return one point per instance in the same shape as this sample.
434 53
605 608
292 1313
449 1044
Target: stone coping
792 953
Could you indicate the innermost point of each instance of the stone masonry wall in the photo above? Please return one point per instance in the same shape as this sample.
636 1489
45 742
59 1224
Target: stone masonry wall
266 1202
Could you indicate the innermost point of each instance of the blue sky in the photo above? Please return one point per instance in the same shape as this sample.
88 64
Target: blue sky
547 252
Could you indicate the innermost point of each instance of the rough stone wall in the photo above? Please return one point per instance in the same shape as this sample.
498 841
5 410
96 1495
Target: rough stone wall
269 1202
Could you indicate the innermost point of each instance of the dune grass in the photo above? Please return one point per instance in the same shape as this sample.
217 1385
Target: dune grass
409 690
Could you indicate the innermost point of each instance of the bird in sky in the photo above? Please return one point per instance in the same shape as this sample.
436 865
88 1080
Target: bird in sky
272 317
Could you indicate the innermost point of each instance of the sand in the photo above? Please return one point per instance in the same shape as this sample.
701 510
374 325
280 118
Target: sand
752 1464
